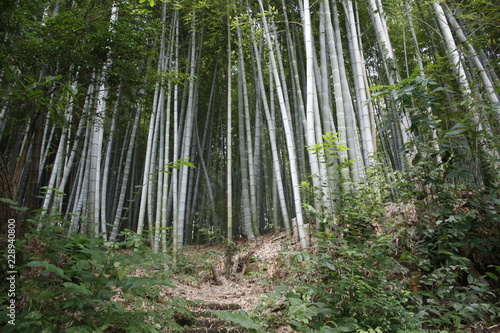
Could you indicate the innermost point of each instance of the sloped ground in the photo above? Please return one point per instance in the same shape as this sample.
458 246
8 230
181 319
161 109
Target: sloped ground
255 268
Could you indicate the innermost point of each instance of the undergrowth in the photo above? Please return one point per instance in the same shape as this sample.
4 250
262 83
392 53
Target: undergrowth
434 268
79 284
426 263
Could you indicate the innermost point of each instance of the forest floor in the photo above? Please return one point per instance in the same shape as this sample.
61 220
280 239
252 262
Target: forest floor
257 267
257 259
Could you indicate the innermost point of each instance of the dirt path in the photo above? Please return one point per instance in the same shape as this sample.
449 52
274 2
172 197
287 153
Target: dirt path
255 274
255 270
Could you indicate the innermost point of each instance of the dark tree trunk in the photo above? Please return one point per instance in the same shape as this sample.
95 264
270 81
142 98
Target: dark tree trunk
6 211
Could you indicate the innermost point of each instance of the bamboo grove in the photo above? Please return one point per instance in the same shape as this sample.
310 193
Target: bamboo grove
187 121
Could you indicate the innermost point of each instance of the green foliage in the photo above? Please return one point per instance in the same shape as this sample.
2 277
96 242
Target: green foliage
49 93
13 204
177 165
371 330
151 2
330 150
71 284
211 236
343 288
241 318
357 276
455 248
448 143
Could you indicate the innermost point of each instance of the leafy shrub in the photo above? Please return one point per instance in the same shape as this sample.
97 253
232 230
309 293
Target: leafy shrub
456 254
436 272
70 284
348 287
240 318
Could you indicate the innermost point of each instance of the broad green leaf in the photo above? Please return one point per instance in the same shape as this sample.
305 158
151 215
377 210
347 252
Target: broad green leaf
456 130
76 288
330 266
13 204
144 282
49 268
282 288
8 201
240 318
22 209
121 273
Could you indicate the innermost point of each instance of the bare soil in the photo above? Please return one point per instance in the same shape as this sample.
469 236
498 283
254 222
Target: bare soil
254 270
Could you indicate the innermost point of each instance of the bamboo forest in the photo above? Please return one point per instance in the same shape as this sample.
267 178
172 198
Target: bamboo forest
250 166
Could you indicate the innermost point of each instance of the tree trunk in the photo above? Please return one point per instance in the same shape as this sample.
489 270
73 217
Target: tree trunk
8 216
290 140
